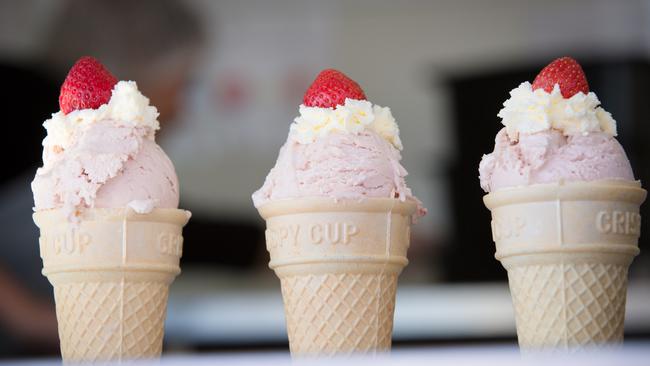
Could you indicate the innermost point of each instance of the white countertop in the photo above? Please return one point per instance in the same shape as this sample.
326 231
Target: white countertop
635 354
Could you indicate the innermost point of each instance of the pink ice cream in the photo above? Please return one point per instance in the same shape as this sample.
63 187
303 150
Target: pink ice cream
549 156
338 165
106 158
146 181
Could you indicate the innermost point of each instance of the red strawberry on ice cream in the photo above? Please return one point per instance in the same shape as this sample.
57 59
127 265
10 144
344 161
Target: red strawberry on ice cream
88 85
565 72
331 88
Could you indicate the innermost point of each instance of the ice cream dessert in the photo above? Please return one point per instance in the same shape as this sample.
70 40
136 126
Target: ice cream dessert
341 146
338 216
565 212
106 204
555 130
100 149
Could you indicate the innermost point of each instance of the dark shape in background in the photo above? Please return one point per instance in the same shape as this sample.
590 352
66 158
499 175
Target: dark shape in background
28 99
233 244
25 100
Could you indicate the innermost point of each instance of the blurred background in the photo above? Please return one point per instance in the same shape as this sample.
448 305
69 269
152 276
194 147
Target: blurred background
228 76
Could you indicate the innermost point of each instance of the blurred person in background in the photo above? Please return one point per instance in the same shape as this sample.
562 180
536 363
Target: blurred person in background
153 41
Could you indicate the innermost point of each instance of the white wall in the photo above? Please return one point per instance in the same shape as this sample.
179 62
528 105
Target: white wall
394 49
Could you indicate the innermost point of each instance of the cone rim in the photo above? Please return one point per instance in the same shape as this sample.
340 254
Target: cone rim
170 215
317 204
626 191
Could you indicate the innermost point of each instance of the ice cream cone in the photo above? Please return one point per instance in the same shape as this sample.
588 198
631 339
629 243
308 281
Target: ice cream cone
338 263
567 248
111 272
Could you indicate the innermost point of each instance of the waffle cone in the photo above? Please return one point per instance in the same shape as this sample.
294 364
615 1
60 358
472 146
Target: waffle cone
567 248
111 273
338 263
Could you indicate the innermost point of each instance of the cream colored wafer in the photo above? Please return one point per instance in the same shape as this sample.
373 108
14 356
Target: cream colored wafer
567 248
338 263
111 272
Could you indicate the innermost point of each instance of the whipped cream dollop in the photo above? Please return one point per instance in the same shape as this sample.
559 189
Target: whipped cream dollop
127 107
353 117
529 111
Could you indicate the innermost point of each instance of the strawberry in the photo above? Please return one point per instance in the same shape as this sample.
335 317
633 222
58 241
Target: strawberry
88 85
566 72
330 89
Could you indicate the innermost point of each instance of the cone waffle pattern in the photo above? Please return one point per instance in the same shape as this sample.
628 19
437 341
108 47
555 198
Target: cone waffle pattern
353 312
566 305
90 319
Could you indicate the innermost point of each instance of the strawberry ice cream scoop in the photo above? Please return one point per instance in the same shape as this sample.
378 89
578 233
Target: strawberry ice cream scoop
549 156
338 165
555 130
145 182
103 156
339 147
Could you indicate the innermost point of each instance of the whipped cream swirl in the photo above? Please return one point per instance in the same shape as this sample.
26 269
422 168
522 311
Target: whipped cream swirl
352 117
127 107
529 111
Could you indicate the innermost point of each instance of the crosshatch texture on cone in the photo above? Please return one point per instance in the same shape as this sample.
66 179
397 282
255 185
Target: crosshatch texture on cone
567 248
111 273
338 263
339 312
569 305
